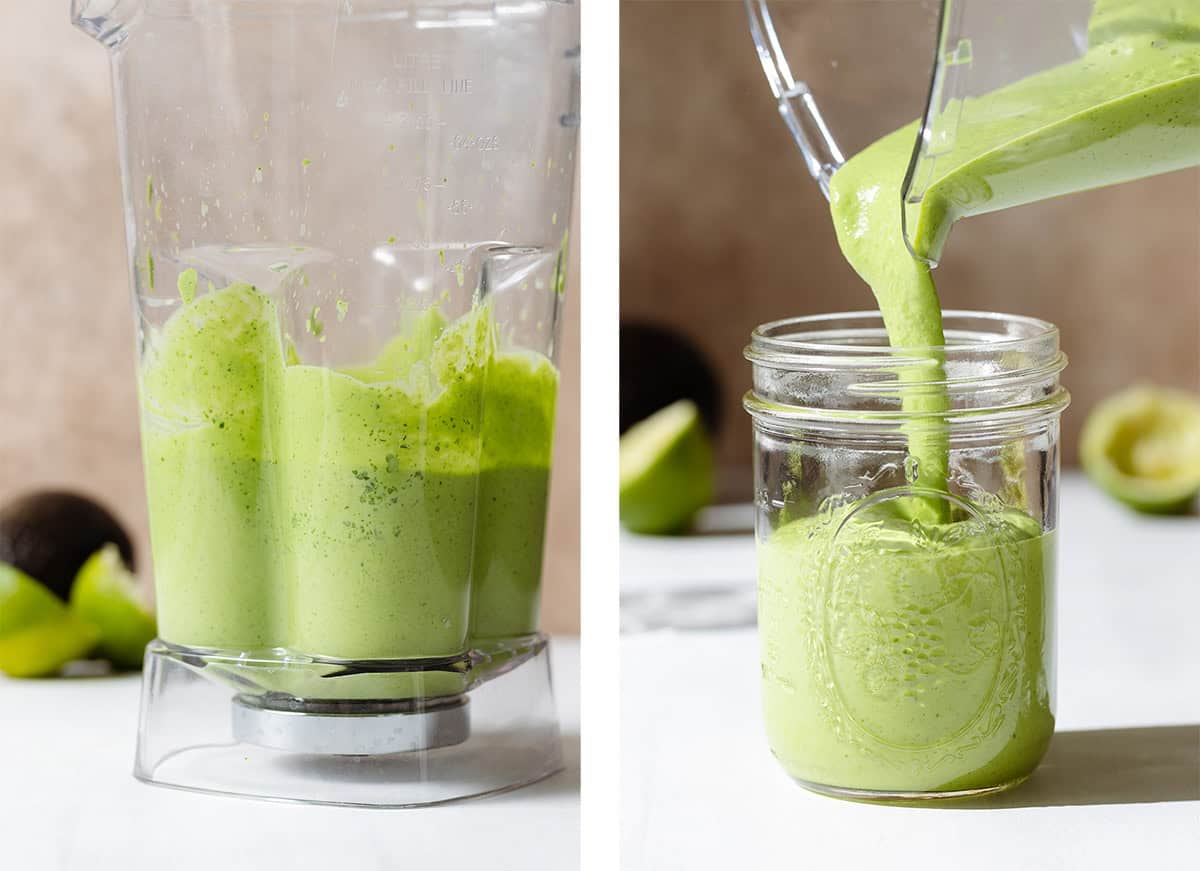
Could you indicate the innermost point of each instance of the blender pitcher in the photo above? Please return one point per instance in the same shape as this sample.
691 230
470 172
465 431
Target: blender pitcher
844 72
346 223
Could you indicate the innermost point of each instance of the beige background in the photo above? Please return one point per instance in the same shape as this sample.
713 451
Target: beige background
67 396
722 229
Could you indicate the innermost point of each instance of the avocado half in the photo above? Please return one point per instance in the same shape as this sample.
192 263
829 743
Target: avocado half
50 534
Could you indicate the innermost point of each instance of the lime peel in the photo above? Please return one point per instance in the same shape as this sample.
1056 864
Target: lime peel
1142 447
106 595
38 633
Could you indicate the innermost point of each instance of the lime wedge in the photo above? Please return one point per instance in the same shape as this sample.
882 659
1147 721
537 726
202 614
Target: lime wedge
105 595
38 634
666 470
1142 446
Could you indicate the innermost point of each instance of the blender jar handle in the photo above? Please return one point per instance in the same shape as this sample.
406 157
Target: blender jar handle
796 104
949 84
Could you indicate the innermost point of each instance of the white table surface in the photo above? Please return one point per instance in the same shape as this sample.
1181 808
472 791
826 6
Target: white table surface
69 801
1119 789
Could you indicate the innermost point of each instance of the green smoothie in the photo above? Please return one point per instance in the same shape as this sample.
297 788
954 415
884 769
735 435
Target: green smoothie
903 657
518 436
373 512
903 652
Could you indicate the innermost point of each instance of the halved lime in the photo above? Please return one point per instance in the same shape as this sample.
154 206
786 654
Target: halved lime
1142 446
38 634
666 470
106 596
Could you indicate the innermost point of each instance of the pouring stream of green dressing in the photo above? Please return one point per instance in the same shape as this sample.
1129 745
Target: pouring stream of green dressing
1127 109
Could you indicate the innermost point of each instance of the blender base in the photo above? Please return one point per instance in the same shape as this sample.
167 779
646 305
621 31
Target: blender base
365 728
198 732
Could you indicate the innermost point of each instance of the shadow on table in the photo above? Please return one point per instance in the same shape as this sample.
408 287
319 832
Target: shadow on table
89 669
404 768
560 785
1110 766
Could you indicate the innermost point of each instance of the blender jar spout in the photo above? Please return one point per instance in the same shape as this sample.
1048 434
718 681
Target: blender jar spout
107 21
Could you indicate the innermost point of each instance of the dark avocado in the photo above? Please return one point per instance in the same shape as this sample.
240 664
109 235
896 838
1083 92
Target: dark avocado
49 534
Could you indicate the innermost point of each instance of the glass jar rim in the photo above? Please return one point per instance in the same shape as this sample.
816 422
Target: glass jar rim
805 337
838 370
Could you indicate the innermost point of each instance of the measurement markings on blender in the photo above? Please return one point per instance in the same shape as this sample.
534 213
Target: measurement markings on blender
411 120
419 183
456 86
430 61
459 142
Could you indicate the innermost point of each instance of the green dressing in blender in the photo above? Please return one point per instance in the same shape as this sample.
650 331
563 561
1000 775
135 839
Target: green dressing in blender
355 514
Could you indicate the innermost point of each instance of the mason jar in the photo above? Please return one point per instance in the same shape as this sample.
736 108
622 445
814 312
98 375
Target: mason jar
906 503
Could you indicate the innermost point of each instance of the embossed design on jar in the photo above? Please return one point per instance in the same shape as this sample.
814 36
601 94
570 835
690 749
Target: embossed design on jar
914 622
